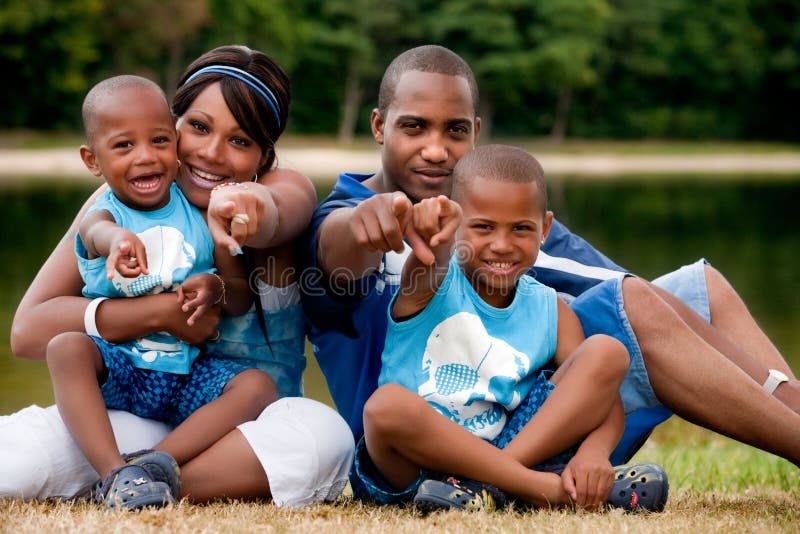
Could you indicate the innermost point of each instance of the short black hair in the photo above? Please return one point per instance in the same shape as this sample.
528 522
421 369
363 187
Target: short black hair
108 88
427 58
502 163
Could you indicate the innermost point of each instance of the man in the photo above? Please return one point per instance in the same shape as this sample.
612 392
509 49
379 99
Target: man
724 375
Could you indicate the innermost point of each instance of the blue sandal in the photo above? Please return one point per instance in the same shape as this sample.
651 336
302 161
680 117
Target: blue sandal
458 494
639 487
131 487
161 466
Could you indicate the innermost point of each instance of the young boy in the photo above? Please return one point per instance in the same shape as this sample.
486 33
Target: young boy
468 334
143 237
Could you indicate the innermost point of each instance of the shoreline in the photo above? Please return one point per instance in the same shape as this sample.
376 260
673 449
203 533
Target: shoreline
326 163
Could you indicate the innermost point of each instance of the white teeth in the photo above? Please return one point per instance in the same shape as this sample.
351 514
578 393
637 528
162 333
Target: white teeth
146 184
500 265
207 175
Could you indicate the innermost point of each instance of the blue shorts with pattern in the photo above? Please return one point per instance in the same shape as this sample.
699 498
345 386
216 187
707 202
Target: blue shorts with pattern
158 395
370 484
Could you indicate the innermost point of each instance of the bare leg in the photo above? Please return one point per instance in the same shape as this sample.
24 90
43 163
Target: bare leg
227 469
243 399
730 315
699 383
735 334
75 364
586 388
404 433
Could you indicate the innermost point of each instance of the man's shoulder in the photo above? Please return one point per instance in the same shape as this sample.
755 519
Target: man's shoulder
348 191
532 288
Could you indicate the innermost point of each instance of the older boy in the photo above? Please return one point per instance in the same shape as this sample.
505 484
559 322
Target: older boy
711 374
468 336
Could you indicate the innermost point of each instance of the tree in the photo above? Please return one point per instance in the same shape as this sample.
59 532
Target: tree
150 36
679 69
46 48
519 48
352 34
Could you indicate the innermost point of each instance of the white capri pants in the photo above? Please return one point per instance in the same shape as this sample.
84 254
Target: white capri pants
305 447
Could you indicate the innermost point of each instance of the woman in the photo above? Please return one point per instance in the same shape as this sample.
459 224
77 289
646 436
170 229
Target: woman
231 107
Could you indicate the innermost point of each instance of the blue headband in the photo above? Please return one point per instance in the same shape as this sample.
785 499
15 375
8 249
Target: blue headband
247 78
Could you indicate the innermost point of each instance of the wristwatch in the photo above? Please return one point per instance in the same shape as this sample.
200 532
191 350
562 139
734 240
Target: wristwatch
775 379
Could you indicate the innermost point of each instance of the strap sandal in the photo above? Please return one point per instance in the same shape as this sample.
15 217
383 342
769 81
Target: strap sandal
639 487
161 466
131 487
458 494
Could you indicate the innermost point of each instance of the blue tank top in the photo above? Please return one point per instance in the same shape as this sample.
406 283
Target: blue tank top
471 361
178 246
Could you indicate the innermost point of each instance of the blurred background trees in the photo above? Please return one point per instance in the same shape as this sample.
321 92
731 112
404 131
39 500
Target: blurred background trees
722 69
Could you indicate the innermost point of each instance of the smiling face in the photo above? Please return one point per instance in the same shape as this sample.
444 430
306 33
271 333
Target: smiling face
213 147
503 226
428 126
133 146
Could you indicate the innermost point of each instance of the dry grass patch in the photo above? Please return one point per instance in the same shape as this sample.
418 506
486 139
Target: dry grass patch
716 485
687 511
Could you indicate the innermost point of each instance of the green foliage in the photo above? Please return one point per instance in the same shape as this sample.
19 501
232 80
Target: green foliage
587 68
276 28
155 49
46 49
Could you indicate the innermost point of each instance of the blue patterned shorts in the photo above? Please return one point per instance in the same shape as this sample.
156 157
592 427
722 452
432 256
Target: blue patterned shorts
542 387
158 395
367 481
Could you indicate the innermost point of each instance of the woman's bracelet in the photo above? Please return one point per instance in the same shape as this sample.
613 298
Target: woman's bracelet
90 317
222 293
229 184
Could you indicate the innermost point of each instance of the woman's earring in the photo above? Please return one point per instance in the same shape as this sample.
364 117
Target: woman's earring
255 177
542 241
179 163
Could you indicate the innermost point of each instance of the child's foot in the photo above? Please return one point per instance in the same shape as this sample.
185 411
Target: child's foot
161 466
131 487
458 494
639 487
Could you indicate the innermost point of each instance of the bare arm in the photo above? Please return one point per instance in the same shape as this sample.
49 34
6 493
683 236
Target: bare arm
123 250
570 336
352 241
570 332
238 294
276 209
53 304
435 220
604 438
589 476
294 198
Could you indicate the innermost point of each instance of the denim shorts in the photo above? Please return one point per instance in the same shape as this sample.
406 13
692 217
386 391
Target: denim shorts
158 395
601 311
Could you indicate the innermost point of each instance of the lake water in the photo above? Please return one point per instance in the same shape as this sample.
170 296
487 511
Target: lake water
746 226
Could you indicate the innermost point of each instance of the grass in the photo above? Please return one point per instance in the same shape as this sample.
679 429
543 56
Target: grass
689 513
717 485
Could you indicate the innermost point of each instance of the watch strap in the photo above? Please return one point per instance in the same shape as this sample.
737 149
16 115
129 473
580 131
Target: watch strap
775 379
